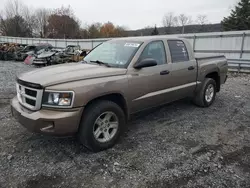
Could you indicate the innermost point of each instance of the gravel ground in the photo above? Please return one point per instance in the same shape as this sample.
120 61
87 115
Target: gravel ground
178 145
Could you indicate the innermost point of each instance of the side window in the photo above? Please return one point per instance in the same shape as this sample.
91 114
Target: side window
155 50
178 51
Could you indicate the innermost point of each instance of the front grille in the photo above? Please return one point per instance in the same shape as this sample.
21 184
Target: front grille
30 98
30 92
30 102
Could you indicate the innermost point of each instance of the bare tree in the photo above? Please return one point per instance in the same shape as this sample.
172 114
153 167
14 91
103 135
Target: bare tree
169 20
30 18
13 8
41 17
202 20
13 22
2 23
184 20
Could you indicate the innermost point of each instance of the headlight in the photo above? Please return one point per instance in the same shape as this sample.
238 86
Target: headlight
58 99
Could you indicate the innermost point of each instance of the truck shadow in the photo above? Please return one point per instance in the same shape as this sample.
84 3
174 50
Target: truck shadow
155 116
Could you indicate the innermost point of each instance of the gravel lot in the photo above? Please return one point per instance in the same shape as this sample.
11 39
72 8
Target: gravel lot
178 145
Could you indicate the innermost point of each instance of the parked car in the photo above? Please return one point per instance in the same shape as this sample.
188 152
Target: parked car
94 99
32 50
68 54
47 56
59 55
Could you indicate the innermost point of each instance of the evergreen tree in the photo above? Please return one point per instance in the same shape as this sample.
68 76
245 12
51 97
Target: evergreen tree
239 18
155 31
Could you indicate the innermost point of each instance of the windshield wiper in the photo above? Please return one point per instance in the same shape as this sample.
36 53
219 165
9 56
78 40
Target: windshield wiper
100 63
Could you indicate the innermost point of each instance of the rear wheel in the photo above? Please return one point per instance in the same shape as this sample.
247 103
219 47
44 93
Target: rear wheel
101 125
206 96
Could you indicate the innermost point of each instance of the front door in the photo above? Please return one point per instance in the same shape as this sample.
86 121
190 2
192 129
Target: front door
148 85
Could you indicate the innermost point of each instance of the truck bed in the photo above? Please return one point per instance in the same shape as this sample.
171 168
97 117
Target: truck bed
217 64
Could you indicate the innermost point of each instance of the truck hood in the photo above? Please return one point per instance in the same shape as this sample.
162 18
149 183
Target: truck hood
57 74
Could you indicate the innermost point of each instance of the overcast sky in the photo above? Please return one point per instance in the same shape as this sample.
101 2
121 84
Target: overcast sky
136 14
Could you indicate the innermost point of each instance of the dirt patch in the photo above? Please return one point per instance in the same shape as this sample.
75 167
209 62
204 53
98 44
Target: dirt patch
42 181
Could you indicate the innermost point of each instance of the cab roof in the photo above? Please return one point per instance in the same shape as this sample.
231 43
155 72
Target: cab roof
147 38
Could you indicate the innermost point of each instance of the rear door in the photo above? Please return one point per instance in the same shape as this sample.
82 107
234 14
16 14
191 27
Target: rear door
183 71
148 85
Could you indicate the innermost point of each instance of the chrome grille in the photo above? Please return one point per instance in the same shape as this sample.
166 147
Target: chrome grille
29 97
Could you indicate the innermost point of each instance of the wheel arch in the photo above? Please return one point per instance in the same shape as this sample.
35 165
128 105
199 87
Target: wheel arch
215 76
117 98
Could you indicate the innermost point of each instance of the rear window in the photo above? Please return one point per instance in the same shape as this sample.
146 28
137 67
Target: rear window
178 51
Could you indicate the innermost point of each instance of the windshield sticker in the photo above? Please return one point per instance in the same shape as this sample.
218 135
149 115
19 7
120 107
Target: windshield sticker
134 45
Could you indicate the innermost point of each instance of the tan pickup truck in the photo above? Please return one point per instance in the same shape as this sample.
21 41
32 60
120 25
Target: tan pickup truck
94 99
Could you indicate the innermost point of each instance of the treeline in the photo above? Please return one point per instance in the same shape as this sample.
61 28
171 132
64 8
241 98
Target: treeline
239 19
177 30
18 20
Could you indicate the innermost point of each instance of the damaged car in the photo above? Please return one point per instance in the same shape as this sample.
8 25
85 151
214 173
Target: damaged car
8 50
47 57
31 50
53 56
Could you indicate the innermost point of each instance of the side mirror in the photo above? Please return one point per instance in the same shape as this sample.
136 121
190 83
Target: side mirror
149 62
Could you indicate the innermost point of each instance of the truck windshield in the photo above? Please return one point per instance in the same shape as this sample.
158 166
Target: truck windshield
114 53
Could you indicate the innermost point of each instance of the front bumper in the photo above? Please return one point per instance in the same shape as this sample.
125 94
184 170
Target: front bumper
46 121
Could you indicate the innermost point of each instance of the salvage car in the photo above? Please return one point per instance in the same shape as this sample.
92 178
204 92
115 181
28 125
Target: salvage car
59 55
8 50
68 54
95 99
47 57
31 50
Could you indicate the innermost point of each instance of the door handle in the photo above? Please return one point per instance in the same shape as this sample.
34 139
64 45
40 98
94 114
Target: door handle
191 68
164 72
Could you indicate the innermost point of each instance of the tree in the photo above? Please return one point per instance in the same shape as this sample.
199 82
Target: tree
183 21
169 20
63 24
13 8
41 17
120 32
13 20
15 26
202 20
155 31
239 19
94 30
107 30
110 30
30 19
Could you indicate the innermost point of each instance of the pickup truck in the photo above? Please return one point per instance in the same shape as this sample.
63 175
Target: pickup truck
94 99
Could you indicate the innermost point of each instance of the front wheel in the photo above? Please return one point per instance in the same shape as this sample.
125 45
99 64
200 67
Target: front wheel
206 96
101 125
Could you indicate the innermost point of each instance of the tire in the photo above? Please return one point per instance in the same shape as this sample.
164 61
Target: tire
202 98
93 117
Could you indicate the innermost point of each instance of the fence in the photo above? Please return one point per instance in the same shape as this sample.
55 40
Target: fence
239 65
234 45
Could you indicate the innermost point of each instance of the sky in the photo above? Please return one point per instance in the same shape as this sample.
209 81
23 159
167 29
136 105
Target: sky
137 14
